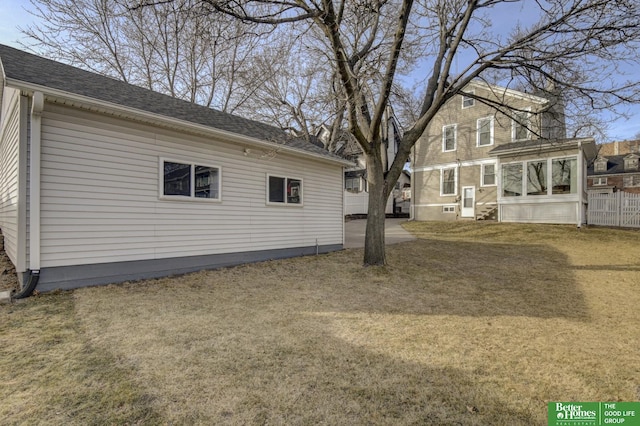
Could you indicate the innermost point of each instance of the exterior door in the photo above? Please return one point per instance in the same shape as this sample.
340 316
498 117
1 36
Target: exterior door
468 201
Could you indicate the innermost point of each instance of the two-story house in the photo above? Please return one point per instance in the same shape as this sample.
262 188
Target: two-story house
511 163
610 173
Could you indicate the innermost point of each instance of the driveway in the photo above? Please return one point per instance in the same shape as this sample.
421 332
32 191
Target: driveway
394 233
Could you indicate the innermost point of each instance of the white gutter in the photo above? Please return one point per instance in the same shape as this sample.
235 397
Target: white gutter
34 181
153 117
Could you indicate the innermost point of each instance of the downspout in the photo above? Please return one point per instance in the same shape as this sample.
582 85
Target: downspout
33 272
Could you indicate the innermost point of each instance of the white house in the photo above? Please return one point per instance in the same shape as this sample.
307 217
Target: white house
103 182
356 189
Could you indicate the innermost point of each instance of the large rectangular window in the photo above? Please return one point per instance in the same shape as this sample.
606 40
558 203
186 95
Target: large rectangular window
188 180
449 138
485 131
448 182
564 175
537 178
512 180
284 190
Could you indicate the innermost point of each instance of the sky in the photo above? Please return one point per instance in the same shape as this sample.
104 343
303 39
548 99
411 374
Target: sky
14 14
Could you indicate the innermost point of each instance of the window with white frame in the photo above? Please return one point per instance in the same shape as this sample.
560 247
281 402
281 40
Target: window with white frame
449 209
631 163
352 184
448 181
600 165
189 180
537 177
534 177
520 125
468 101
512 180
449 137
485 131
284 190
564 176
599 181
488 175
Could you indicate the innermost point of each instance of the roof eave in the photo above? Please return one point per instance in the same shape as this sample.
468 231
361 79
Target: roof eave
547 146
137 114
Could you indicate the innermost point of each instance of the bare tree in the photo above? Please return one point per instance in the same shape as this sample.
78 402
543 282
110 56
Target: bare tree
178 48
574 46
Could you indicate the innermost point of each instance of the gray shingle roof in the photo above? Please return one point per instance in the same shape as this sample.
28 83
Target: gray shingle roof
615 165
29 68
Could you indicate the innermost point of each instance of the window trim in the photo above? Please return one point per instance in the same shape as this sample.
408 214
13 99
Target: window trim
286 203
491 140
473 101
600 166
549 178
445 209
357 190
455 181
444 137
495 175
191 197
514 123
599 181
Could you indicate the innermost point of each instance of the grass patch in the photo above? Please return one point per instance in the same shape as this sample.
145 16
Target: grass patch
470 324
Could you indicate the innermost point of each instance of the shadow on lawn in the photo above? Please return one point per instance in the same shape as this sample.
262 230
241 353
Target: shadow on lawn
472 279
345 384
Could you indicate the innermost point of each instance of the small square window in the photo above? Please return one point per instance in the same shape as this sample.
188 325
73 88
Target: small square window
282 190
448 209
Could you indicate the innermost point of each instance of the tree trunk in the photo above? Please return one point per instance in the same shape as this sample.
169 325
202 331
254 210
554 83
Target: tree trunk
374 250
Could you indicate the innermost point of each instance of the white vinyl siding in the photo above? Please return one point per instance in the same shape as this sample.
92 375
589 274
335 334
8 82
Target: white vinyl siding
100 179
9 172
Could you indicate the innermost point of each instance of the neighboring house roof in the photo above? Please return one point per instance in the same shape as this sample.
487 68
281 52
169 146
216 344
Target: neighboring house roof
25 70
542 145
615 166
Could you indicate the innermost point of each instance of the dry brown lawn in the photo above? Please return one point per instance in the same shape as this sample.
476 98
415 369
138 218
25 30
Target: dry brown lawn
471 324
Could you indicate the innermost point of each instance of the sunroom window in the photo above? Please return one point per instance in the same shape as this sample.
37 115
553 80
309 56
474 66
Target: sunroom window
564 175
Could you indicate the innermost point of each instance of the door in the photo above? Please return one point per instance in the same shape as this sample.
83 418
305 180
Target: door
468 201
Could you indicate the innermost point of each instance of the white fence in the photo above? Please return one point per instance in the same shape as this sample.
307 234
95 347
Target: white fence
616 209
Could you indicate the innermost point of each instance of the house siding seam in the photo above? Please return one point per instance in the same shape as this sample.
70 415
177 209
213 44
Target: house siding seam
9 171
100 203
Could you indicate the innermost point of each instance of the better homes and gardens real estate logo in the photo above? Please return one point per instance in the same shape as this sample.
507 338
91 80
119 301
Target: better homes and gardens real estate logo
594 413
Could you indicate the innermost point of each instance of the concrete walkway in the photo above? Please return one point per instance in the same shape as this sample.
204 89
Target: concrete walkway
394 233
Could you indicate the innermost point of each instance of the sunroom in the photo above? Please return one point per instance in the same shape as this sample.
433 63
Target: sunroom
543 181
